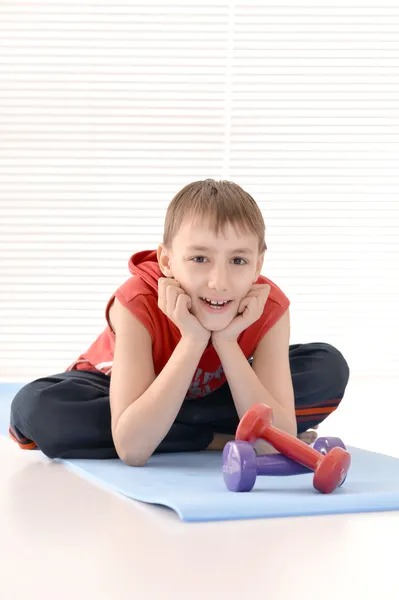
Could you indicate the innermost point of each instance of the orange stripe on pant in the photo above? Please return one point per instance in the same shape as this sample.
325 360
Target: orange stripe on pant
23 443
335 401
313 411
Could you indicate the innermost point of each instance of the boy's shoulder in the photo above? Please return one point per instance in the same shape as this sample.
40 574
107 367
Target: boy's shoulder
141 299
135 286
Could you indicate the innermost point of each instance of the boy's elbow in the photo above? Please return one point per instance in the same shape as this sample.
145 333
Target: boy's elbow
131 460
127 456
135 461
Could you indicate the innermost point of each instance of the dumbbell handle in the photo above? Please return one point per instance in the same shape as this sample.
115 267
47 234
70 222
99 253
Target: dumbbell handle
280 465
292 447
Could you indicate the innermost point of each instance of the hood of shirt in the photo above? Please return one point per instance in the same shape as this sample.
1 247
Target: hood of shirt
145 264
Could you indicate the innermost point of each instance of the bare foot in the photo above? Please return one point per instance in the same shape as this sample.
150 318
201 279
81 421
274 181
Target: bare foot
308 436
219 441
261 446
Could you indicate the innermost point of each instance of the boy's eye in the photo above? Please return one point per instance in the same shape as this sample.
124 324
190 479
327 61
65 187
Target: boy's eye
244 262
203 257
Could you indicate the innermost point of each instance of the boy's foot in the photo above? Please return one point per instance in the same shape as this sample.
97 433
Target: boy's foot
261 446
308 436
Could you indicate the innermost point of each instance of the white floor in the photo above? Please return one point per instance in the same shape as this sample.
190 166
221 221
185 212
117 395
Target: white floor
66 538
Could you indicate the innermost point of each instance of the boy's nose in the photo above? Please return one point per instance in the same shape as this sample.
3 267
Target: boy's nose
218 280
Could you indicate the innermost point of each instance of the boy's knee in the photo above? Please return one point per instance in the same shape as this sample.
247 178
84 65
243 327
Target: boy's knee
24 407
336 366
28 416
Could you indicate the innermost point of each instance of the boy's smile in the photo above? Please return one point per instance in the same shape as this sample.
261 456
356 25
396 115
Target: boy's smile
219 306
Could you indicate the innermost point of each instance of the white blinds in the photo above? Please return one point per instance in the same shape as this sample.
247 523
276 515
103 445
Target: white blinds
107 110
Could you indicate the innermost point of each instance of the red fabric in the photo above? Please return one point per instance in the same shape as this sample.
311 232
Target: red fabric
139 294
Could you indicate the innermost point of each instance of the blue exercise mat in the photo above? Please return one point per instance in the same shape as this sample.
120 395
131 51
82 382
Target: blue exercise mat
192 484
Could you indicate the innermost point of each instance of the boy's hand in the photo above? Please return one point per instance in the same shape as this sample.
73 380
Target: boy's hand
250 309
176 304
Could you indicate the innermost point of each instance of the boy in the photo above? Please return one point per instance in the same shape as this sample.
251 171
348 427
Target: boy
193 339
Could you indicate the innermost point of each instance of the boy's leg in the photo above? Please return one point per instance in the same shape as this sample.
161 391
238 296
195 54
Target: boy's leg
68 415
319 373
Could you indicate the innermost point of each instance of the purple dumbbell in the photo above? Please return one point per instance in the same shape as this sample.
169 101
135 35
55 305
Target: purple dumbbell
241 465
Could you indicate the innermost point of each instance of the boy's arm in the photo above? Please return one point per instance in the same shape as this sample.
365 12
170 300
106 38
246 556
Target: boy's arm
268 380
144 407
145 423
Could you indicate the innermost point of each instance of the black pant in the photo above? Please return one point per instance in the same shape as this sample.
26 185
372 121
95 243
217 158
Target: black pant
68 415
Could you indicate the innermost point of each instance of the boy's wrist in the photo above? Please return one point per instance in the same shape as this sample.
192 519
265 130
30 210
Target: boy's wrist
195 342
220 343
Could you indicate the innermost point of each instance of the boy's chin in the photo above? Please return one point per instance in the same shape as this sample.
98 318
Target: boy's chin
214 329
215 326
215 322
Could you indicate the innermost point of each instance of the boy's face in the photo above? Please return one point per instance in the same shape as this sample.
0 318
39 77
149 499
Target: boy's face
216 272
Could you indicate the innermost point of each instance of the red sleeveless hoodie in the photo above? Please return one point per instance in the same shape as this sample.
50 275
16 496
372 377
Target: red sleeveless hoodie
139 294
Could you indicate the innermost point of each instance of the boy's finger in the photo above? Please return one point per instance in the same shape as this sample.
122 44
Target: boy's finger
164 284
165 281
172 293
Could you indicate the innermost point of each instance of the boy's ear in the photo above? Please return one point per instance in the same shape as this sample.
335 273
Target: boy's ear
259 265
164 261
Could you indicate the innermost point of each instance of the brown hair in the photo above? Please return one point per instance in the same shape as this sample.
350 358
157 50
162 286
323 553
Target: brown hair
222 201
